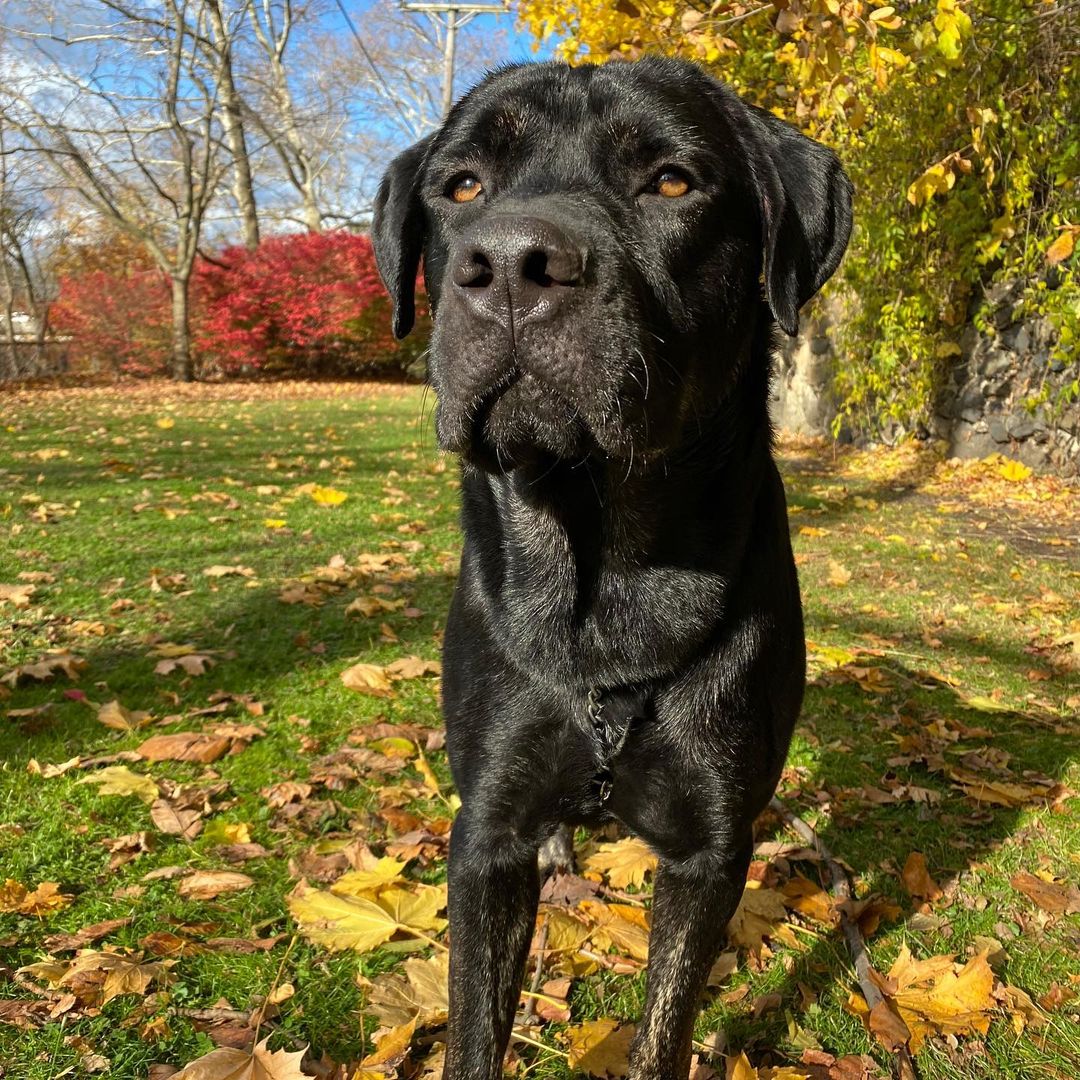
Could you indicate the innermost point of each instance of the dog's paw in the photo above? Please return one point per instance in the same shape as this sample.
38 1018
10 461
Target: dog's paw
557 854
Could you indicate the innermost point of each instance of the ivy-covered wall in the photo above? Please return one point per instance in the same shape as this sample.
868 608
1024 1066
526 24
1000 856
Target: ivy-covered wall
1007 390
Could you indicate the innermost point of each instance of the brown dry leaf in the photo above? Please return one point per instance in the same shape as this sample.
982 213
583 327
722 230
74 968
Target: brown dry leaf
367 679
887 1027
122 974
288 791
206 884
185 746
810 899
392 1046
1007 793
1050 896
624 863
917 880
260 1063
618 926
120 780
228 571
95 978
183 657
46 668
18 596
44 900
176 821
113 715
81 938
600 1047
412 667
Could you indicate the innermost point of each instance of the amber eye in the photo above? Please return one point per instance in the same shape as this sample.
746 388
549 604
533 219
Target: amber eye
466 189
672 184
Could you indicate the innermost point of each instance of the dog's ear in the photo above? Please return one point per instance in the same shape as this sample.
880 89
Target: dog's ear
397 232
806 209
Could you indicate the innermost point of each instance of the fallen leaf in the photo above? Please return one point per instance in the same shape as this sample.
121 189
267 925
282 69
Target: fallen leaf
917 880
206 884
624 863
260 1063
421 994
229 571
175 820
367 679
838 575
18 596
356 922
1051 897
114 715
44 900
120 780
185 746
600 1047
46 668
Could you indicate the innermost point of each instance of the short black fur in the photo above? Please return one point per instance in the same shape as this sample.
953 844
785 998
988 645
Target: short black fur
625 640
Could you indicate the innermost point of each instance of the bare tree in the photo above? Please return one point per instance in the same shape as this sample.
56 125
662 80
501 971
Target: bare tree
223 31
302 138
125 115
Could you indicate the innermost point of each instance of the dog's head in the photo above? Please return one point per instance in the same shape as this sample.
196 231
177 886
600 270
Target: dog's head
594 241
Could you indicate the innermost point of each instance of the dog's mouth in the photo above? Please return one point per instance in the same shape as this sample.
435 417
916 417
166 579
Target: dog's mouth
522 419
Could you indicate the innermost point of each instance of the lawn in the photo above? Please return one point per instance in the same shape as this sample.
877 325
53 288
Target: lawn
212 559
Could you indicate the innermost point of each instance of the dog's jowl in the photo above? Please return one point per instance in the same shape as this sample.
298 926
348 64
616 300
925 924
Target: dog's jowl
607 252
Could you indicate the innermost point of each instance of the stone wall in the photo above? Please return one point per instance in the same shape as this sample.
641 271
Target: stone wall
983 406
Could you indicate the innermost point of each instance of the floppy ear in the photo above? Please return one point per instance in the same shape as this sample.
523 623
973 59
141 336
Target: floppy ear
397 232
806 207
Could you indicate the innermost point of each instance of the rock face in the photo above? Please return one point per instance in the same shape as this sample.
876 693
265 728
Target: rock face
983 404
803 400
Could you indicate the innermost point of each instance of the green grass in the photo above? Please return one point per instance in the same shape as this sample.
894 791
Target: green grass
954 574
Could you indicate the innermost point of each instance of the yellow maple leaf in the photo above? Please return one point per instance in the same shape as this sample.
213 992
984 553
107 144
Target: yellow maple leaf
369 881
328 496
624 863
1014 471
600 1047
120 780
45 899
356 922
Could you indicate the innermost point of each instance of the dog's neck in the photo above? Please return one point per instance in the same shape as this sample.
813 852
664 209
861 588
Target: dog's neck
618 573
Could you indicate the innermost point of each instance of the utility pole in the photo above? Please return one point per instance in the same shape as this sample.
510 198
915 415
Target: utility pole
454 15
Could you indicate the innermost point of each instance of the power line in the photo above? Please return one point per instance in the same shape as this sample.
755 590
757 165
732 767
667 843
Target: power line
375 68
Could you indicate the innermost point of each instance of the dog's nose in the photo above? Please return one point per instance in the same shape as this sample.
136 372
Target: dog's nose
513 268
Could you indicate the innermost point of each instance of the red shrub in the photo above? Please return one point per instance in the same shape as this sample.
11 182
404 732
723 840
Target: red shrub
303 302
118 319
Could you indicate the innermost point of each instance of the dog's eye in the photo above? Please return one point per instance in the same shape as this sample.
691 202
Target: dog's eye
672 184
466 189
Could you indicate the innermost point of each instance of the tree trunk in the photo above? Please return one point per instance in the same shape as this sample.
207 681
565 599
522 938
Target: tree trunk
232 123
312 215
183 369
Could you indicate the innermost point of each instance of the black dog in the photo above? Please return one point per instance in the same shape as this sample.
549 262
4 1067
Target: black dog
625 640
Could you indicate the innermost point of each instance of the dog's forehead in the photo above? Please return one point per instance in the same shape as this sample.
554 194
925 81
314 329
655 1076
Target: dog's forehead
626 111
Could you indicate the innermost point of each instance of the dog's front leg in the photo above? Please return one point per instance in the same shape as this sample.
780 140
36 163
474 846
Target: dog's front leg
494 890
693 901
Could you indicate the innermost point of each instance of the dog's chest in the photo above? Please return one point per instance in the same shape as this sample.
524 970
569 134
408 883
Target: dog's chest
586 613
